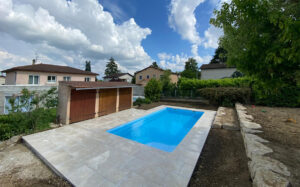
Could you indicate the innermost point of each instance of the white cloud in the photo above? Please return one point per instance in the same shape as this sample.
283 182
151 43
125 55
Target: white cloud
8 60
182 19
71 31
212 35
177 62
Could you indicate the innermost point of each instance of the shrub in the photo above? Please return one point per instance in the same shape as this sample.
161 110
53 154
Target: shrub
140 101
284 95
226 96
25 123
153 90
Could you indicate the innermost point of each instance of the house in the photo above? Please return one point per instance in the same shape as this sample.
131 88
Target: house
45 74
143 76
2 79
120 77
216 71
80 101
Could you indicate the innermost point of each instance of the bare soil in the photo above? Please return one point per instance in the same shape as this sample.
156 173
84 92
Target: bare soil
223 160
20 167
187 105
281 126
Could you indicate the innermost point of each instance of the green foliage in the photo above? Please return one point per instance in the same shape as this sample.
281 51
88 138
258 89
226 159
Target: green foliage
168 88
133 80
26 123
111 67
154 64
140 101
262 39
220 56
237 74
286 95
153 90
226 96
194 84
191 69
88 66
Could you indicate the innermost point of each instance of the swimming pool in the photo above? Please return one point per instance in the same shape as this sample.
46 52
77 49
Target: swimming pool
163 129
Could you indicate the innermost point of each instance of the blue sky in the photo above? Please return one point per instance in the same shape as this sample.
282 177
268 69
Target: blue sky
134 32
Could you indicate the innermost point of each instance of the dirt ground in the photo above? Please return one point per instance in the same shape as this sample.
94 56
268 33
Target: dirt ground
223 160
281 127
19 167
187 105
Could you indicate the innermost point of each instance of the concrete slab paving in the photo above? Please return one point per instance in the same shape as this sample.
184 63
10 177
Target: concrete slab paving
86 155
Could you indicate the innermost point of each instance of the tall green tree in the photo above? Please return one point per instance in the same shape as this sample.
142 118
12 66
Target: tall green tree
262 39
111 67
154 64
220 56
191 69
88 66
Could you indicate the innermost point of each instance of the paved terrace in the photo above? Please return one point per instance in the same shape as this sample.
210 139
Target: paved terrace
86 155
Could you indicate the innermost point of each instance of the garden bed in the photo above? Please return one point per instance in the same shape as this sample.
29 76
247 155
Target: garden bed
281 127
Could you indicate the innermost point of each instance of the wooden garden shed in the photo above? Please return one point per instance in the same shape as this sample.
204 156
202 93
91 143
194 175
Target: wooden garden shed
80 101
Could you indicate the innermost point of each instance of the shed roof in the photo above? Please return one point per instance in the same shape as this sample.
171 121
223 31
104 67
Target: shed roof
79 85
215 66
49 68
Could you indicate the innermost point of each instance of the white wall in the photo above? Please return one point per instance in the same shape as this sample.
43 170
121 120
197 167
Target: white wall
127 77
217 73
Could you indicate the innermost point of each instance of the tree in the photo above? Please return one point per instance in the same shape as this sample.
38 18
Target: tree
191 69
111 67
220 56
153 90
88 66
154 64
262 39
167 86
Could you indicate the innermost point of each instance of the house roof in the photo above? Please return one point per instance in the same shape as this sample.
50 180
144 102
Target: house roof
49 68
151 66
79 85
215 66
117 75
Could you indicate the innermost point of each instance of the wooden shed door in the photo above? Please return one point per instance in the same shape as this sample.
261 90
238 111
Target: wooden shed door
107 101
125 98
82 105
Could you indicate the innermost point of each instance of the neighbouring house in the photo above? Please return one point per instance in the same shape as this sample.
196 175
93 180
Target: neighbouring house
7 91
46 74
78 101
2 79
143 76
216 71
119 77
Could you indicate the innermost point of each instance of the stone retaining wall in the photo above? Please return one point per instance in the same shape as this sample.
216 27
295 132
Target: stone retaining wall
265 171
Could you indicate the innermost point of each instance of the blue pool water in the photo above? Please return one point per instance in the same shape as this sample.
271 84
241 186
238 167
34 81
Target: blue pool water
163 129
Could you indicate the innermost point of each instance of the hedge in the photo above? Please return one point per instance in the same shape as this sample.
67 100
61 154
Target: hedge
194 84
226 96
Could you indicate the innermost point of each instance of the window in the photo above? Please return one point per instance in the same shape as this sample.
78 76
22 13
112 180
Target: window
51 79
87 79
141 77
148 76
154 76
67 78
34 79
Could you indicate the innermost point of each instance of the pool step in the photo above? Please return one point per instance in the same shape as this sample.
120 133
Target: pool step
226 118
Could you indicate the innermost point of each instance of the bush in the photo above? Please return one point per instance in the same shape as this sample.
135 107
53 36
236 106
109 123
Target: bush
26 123
226 96
284 95
140 101
153 90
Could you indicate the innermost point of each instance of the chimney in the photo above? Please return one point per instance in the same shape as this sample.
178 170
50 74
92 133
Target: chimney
33 61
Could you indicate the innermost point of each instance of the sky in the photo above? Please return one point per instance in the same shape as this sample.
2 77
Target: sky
134 32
